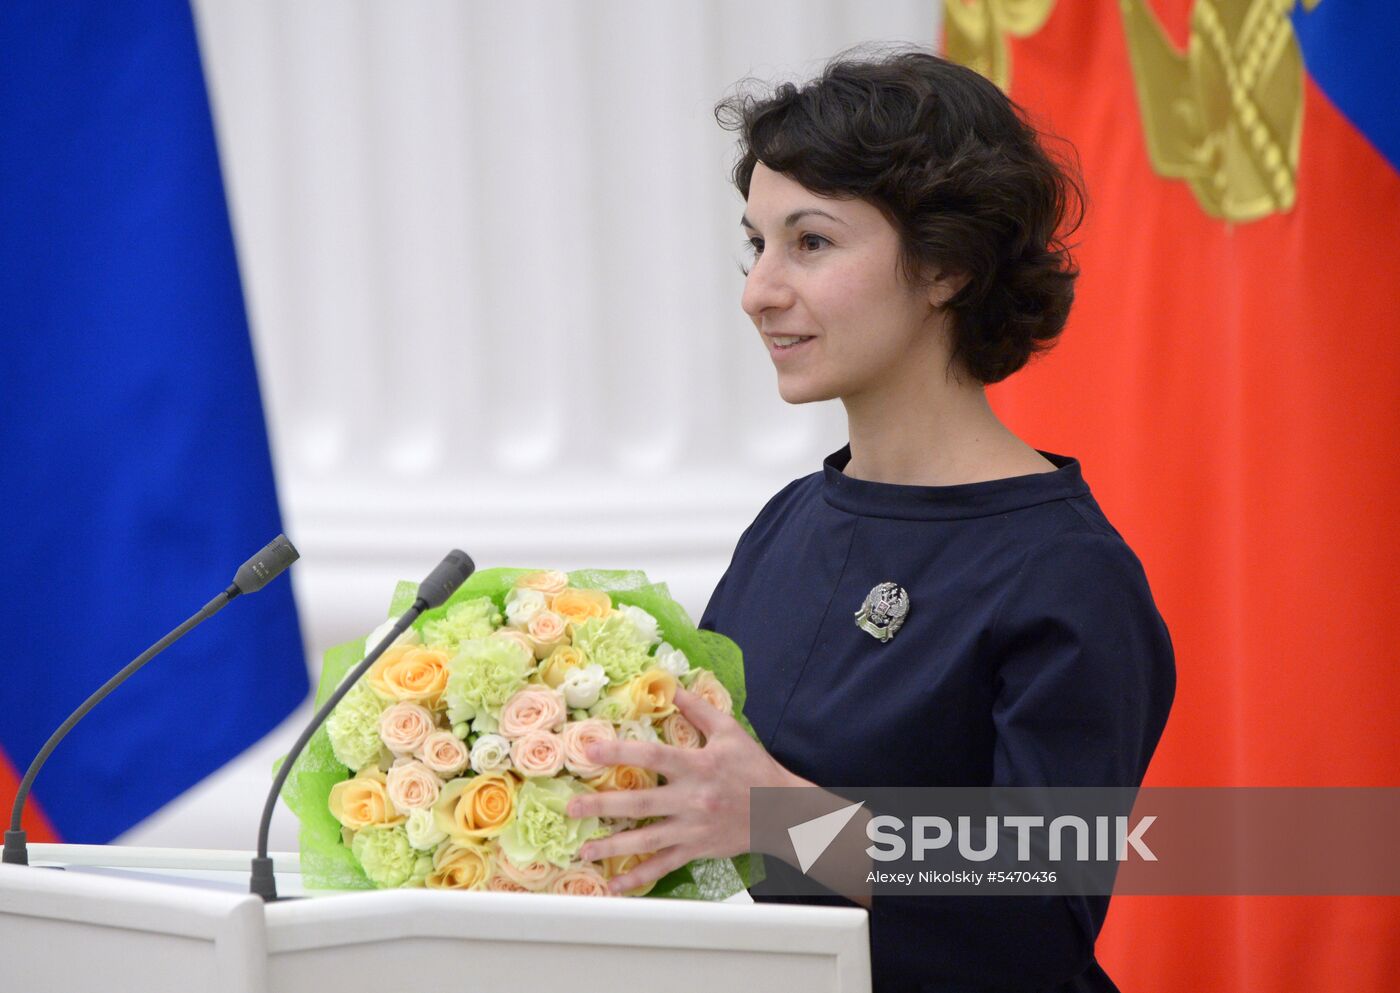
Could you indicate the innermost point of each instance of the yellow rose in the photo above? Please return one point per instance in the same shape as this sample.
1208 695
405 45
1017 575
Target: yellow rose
623 777
410 672
476 808
559 662
459 867
363 801
577 605
652 695
617 865
547 581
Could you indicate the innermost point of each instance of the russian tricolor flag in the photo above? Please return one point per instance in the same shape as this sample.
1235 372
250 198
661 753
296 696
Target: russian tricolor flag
134 467
1230 385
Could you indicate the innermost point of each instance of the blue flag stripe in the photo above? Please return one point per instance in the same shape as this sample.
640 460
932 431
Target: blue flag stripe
133 449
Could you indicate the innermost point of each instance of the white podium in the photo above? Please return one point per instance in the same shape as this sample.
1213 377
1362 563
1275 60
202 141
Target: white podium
124 920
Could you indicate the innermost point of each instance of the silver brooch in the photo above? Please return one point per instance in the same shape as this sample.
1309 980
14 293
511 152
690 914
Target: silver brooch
883 611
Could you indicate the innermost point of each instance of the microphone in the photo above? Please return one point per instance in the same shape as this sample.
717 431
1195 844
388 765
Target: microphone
440 584
253 575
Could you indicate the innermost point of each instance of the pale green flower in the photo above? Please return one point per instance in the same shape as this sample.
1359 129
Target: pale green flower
541 829
422 869
611 709
464 621
385 855
354 727
482 677
614 643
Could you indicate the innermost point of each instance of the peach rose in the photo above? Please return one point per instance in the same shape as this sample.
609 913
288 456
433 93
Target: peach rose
581 879
403 727
475 808
576 605
500 884
547 581
548 631
518 637
617 865
412 785
677 730
363 801
539 753
707 687
534 877
558 663
534 708
410 672
444 753
577 736
459 867
623 777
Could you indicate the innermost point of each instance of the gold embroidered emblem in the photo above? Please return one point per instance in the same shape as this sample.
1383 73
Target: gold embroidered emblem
1226 115
974 32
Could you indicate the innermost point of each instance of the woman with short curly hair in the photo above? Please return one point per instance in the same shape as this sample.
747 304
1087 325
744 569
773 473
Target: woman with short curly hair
941 604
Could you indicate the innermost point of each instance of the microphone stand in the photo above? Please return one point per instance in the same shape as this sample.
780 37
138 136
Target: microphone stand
432 592
253 575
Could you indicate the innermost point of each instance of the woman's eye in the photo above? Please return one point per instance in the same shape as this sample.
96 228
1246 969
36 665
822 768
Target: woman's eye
810 242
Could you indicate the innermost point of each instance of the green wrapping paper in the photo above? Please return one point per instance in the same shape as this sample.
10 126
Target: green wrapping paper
328 864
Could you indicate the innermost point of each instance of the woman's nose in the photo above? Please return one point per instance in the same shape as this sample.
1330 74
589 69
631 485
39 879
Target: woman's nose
766 288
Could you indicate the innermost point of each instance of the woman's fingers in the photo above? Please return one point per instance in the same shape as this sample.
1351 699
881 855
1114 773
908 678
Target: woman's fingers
645 754
637 841
657 802
705 716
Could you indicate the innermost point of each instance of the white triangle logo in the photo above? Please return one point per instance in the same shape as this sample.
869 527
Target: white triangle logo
811 838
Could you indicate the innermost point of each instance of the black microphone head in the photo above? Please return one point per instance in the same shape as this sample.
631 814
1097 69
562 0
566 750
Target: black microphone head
265 566
443 581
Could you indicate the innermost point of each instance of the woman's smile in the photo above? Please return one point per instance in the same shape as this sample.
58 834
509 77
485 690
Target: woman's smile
784 347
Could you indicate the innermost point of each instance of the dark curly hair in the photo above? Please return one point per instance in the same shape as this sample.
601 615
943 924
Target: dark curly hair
956 168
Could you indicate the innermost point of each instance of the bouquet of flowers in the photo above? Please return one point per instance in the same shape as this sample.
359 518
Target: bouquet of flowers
451 763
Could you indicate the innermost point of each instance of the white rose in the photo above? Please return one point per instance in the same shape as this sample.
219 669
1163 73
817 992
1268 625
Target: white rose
648 631
423 831
637 731
409 637
522 606
671 659
582 686
491 753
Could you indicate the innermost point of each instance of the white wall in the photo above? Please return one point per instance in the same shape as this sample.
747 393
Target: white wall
489 251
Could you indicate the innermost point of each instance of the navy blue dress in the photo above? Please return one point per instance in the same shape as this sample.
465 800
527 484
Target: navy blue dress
1032 655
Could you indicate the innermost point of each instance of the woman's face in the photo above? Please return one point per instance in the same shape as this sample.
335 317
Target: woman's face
828 270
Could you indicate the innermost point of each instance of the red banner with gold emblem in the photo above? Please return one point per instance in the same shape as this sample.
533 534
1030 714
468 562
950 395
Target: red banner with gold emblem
1230 380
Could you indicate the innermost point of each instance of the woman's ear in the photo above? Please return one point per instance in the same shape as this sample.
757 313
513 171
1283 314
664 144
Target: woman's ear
945 286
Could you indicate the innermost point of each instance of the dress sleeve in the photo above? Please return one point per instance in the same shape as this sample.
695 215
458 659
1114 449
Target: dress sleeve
1084 677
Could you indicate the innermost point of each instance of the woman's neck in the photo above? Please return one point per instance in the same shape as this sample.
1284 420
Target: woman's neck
918 433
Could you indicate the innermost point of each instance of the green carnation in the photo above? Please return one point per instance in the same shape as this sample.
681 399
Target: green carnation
614 643
354 727
482 677
464 621
385 855
541 829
